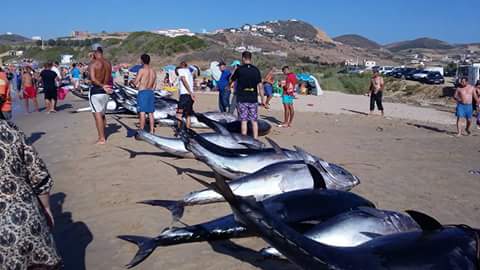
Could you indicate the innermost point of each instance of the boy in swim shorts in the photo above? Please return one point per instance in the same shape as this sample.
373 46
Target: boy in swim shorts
145 82
288 96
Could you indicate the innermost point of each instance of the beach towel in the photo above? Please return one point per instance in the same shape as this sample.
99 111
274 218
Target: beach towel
62 93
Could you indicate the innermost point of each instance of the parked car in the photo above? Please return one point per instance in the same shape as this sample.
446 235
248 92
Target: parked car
419 76
352 70
384 70
392 72
409 75
434 77
403 72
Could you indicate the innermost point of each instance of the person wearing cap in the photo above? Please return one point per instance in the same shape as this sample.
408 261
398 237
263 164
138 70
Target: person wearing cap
224 88
100 71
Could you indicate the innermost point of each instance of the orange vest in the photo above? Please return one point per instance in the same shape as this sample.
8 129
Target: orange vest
5 93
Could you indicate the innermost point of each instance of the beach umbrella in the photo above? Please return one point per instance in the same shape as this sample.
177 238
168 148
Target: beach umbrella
235 63
135 68
169 68
215 70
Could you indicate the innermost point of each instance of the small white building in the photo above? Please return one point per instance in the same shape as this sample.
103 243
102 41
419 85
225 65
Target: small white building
36 38
175 32
66 58
246 27
369 64
299 39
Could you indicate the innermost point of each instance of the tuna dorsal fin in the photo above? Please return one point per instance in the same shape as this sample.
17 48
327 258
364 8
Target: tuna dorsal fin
371 235
307 157
207 121
426 222
250 146
200 181
275 146
220 129
318 180
371 211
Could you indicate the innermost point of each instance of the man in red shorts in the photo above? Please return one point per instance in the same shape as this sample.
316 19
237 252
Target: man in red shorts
29 90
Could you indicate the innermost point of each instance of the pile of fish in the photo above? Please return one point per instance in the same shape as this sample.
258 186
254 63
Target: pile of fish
301 205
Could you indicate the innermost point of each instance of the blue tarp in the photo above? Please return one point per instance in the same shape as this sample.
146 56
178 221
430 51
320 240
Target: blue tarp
169 68
304 77
135 68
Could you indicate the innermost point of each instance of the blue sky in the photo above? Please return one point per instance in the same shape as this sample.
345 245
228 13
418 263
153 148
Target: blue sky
384 21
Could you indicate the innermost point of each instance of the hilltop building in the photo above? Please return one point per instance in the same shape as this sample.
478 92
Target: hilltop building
174 32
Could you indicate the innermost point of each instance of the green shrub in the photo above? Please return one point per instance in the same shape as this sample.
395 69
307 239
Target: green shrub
332 84
146 42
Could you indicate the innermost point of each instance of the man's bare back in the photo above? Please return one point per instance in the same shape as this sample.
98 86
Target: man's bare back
147 79
101 72
465 94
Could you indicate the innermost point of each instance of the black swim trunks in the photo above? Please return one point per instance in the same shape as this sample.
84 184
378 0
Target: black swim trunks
185 104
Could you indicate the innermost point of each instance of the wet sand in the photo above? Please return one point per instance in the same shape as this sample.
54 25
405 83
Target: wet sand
403 164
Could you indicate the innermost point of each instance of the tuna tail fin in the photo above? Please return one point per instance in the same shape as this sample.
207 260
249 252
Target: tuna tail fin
271 253
145 246
176 208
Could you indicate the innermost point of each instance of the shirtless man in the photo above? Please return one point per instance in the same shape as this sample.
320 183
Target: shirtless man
464 95
477 91
29 90
376 92
146 82
100 71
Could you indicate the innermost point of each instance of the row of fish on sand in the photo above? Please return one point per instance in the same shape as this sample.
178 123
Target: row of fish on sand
300 204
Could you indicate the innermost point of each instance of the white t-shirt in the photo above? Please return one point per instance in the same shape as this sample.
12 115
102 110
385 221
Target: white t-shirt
56 70
184 72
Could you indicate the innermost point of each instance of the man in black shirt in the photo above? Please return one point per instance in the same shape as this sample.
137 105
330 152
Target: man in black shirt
49 79
248 82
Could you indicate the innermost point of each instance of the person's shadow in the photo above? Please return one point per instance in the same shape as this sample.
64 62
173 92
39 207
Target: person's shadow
35 136
71 238
271 119
111 129
63 107
250 256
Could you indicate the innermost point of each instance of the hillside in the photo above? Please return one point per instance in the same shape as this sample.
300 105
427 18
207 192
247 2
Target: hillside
12 39
358 41
127 50
420 43
295 28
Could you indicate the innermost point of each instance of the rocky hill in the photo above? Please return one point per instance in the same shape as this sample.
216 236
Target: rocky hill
358 41
7 39
420 43
295 30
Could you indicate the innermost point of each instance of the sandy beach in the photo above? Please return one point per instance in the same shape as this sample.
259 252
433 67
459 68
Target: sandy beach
409 160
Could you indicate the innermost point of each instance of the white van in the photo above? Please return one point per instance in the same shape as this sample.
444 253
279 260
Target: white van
435 69
385 69
474 74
